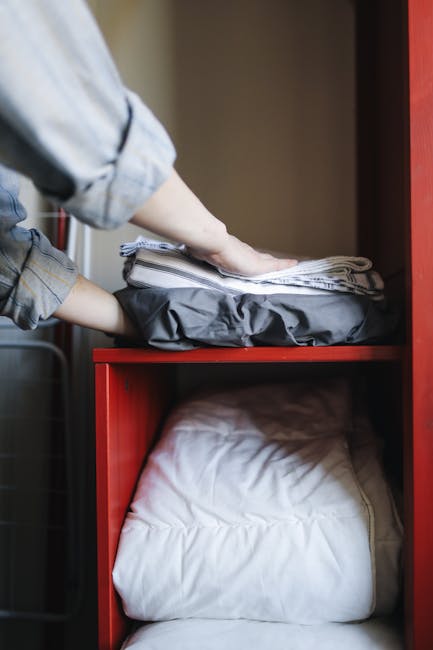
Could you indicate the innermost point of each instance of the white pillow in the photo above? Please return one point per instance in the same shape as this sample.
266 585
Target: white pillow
249 508
375 634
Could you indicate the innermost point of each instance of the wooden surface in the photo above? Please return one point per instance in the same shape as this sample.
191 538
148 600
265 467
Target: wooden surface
130 402
417 358
330 354
419 479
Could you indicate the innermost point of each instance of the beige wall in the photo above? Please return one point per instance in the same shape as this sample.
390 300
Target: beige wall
140 37
259 98
139 34
265 114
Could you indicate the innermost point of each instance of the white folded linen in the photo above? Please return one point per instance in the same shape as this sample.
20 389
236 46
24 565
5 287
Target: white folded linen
161 264
249 507
193 634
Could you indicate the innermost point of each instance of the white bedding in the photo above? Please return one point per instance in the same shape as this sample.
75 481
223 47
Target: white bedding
374 634
249 507
161 264
365 450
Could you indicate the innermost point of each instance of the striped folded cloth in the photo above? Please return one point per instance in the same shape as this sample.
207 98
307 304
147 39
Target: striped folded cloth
152 263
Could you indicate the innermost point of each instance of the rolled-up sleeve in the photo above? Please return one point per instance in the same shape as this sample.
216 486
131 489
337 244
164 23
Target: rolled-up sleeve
66 120
35 277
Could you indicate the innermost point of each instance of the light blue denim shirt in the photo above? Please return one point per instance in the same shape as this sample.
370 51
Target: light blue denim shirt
68 123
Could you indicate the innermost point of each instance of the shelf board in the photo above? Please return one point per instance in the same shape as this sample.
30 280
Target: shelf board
326 354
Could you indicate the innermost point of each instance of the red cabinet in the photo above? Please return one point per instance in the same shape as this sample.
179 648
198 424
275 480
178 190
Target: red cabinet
134 387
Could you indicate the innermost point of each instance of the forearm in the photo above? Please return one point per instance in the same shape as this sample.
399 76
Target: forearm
175 212
90 306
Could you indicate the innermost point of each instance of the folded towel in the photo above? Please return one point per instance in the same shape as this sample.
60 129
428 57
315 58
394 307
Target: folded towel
161 264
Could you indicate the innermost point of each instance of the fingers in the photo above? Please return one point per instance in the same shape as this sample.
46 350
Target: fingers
266 263
241 259
284 264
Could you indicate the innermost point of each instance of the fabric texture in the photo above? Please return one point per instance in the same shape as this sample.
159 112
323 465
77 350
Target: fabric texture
365 450
67 122
249 507
185 318
164 265
193 634
177 302
35 277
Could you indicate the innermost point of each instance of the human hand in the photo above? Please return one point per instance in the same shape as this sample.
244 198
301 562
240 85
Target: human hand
175 212
240 258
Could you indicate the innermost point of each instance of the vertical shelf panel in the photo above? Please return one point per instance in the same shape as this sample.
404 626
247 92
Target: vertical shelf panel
419 494
130 403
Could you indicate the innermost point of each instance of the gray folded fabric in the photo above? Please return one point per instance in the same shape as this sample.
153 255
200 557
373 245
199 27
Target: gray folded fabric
185 318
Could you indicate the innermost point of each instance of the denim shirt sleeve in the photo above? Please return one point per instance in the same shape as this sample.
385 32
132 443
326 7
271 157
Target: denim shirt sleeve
35 277
66 120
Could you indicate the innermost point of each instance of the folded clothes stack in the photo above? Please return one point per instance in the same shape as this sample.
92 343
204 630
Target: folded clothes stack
165 265
265 503
178 302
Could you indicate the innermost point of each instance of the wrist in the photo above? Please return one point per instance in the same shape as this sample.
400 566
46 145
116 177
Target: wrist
211 241
175 212
91 306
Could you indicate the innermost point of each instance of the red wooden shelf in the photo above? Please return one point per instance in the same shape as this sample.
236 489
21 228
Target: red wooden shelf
329 354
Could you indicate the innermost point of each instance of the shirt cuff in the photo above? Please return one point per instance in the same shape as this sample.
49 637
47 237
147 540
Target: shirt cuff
43 284
144 162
